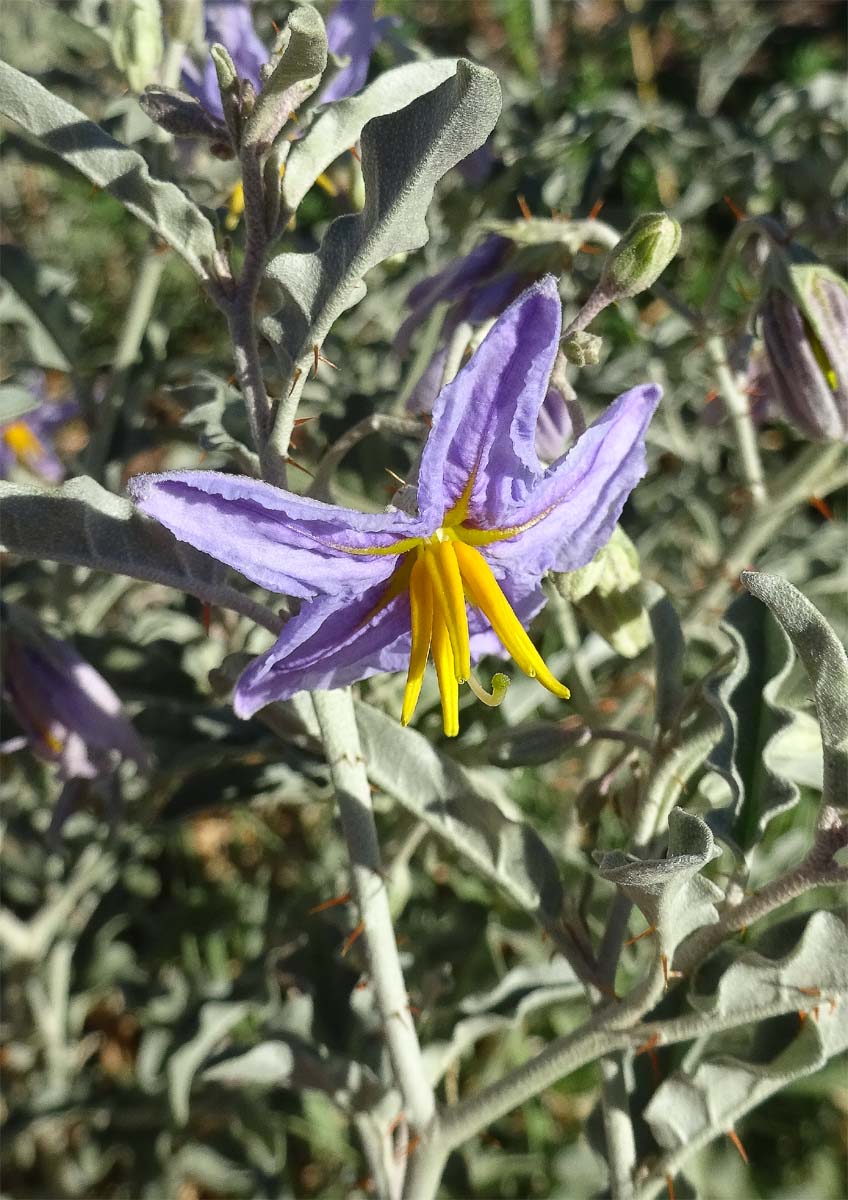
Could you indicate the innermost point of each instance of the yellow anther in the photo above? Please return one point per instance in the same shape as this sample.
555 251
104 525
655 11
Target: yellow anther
484 591
421 616
449 601
446 675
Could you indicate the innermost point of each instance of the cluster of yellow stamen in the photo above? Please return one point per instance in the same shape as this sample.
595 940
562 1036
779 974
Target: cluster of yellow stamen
445 574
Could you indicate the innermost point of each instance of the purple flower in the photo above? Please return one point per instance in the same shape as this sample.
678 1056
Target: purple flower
459 578
68 712
28 439
230 23
352 33
805 333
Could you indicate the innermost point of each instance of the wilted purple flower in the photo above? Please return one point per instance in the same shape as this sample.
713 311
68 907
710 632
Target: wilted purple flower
68 711
805 336
230 23
352 33
461 577
28 439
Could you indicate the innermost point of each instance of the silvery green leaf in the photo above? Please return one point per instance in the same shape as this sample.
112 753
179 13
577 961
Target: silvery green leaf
136 37
404 155
68 133
216 1021
511 854
671 892
522 991
339 126
688 1110
747 701
293 74
290 1062
83 524
36 297
669 649
826 663
15 402
673 769
783 968
218 416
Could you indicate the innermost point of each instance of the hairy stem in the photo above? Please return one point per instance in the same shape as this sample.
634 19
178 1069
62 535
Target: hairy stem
738 407
618 1128
375 423
334 711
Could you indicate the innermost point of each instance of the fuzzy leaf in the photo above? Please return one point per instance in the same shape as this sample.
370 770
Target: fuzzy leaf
669 649
122 172
295 73
826 663
216 1021
404 155
180 114
671 893
290 1062
403 764
689 1111
339 126
83 524
782 968
754 721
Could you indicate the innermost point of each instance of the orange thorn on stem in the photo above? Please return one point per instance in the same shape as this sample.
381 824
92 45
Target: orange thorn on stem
802 1016
664 961
355 153
821 506
395 476
810 991
595 209
587 248
831 1005
360 929
361 985
319 357
295 377
342 899
669 1183
816 1014
735 209
525 208
207 618
711 397
293 463
645 933
410 1148
652 1041
395 1122
734 1137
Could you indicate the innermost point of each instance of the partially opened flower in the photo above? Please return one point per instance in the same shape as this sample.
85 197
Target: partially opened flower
456 580
68 712
28 440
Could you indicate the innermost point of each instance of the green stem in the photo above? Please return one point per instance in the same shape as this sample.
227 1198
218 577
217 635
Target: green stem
739 409
334 711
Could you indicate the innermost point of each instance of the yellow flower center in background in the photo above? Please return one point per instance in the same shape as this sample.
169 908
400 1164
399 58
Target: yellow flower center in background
22 441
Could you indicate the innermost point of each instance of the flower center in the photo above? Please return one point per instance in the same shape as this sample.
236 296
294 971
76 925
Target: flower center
445 574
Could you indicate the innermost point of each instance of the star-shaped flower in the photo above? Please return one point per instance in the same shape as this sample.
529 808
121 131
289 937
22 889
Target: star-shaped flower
458 579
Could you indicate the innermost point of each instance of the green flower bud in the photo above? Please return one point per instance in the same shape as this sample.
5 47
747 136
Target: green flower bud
582 348
608 594
640 257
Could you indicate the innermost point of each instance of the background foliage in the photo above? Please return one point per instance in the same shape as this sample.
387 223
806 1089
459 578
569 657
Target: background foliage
141 938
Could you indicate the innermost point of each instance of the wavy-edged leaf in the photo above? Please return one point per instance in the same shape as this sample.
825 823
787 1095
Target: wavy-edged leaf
292 75
404 765
671 893
797 963
747 701
669 649
123 173
339 126
83 524
404 155
826 664
689 1110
